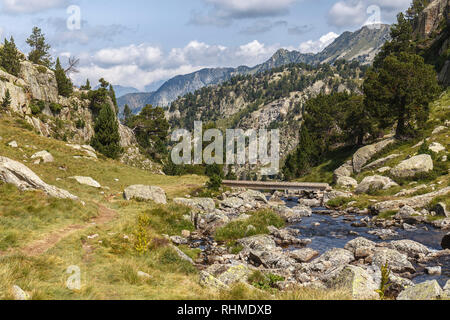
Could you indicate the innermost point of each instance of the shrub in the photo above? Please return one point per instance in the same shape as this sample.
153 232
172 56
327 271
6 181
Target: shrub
55 107
37 106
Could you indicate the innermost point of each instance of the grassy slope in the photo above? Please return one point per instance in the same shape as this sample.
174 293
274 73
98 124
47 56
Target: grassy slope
109 262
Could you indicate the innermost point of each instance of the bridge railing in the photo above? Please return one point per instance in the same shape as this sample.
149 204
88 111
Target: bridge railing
277 185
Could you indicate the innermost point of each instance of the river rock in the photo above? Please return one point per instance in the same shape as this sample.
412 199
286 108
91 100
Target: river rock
429 290
312 203
409 168
356 281
384 234
441 210
347 182
363 155
411 248
302 211
45 156
328 196
145 193
303 255
259 242
359 243
253 195
87 181
445 244
447 289
334 258
233 203
398 262
203 204
22 177
374 183
434 271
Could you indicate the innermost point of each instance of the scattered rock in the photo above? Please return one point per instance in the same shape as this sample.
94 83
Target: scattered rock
19 294
357 282
436 147
398 262
259 242
374 183
234 203
384 234
182 255
434 271
203 204
145 193
209 281
429 290
45 156
13 144
359 243
178 240
409 168
303 255
439 129
143 275
363 155
411 248
185 233
380 162
87 181
347 182
15 173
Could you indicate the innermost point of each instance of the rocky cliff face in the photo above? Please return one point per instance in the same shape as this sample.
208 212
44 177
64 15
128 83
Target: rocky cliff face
431 17
68 119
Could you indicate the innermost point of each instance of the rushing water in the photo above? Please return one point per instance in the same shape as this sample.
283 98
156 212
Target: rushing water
327 232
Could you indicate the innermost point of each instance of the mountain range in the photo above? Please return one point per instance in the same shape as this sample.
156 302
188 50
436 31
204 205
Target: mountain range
361 45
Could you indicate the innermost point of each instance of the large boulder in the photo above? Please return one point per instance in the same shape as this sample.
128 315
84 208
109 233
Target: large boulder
374 183
411 248
358 244
357 281
380 162
22 177
422 163
363 155
45 156
347 182
231 273
398 262
146 193
430 290
303 255
332 259
253 195
232 202
346 170
87 181
436 147
202 204
259 242
41 82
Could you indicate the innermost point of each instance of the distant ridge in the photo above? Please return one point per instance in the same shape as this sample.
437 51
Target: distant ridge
361 45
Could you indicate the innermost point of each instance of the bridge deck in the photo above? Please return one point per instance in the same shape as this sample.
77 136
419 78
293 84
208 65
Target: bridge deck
257 185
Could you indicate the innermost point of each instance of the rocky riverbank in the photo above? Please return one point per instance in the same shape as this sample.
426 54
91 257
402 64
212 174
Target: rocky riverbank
320 247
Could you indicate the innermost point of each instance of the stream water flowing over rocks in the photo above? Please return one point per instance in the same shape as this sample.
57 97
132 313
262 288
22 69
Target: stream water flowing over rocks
319 247
328 232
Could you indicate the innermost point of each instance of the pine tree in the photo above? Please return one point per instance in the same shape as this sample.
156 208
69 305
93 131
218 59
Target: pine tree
107 139
127 115
65 86
39 48
112 94
87 86
10 57
6 100
400 91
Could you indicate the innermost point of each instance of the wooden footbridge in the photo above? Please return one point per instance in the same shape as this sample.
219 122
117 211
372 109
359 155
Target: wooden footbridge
283 186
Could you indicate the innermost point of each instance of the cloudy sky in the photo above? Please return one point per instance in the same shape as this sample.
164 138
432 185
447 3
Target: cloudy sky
140 43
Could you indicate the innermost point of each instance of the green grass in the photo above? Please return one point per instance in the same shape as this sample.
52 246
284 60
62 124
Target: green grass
260 220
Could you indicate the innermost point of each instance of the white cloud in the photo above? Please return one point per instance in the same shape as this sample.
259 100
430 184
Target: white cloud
351 13
318 45
31 6
223 12
141 65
